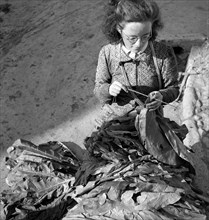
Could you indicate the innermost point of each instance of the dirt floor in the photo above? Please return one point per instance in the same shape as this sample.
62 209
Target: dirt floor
48 57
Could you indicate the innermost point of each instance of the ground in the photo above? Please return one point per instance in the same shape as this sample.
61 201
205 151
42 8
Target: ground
48 58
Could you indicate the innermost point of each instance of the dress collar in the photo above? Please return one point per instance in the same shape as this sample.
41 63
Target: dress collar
132 54
124 56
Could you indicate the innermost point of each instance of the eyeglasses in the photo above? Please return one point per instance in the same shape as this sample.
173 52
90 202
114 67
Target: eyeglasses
134 39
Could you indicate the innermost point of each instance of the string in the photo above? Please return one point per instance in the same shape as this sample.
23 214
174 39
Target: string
131 90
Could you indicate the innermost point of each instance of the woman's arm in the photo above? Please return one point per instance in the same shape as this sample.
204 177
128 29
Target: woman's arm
103 79
169 73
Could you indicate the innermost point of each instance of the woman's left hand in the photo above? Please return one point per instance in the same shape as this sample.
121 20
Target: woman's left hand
154 100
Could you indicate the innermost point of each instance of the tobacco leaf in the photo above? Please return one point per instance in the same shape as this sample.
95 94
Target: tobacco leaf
160 140
36 203
182 213
23 150
155 200
118 177
175 142
142 186
39 180
134 199
146 215
111 142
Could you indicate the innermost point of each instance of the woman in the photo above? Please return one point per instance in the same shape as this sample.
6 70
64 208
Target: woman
134 66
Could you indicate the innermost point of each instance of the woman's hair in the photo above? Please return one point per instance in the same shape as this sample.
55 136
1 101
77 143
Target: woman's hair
121 11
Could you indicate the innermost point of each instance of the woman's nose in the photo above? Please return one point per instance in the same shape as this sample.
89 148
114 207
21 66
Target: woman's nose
138 42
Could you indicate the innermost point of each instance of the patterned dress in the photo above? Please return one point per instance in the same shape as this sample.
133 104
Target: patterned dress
141 74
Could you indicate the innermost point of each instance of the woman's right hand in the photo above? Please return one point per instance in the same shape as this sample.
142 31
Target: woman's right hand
116 87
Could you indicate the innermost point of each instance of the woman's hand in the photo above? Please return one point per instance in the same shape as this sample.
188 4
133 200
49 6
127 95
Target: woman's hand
154 100
116 87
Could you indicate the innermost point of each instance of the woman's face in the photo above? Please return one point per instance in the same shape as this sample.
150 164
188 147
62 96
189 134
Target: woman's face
136 34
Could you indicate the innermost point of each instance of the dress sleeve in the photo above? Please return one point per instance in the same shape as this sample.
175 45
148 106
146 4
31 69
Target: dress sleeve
170 88
103 79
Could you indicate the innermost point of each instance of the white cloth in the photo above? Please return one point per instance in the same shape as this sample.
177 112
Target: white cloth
133 55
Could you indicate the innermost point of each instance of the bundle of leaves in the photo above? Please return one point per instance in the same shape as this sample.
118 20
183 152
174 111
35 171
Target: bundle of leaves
128 174
39 178
142 189
142 172
127 138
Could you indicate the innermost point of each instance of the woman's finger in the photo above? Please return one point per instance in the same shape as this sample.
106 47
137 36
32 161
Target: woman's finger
121 86
153 105
124 88
116 87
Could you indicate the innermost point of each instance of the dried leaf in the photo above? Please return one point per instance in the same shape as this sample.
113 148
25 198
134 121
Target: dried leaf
155 142
119 179
38 181
147 215
102 199
126 198
183 214
152 200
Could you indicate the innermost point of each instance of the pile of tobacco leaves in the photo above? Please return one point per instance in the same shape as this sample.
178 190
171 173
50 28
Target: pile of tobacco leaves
136 169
